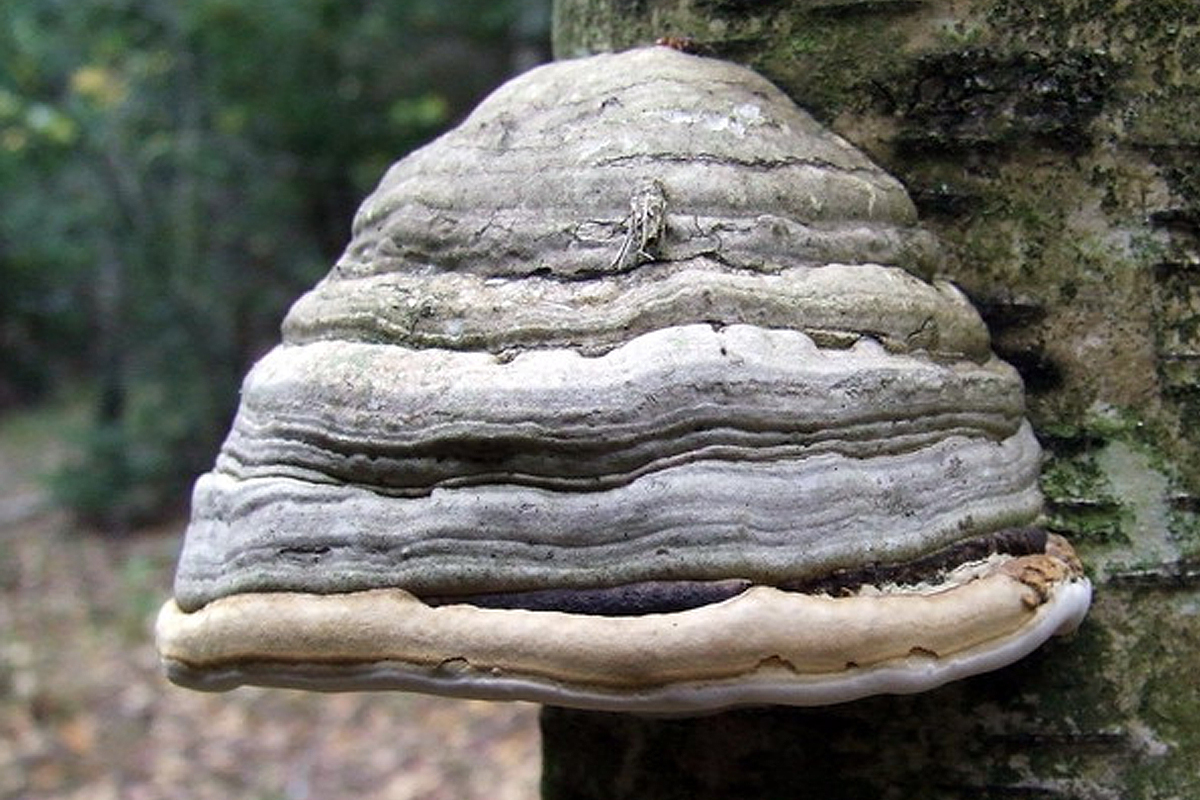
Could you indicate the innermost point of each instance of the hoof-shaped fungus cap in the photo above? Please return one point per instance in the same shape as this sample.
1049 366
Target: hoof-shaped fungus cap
628 393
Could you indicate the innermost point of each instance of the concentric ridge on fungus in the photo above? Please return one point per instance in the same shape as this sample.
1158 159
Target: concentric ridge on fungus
627 393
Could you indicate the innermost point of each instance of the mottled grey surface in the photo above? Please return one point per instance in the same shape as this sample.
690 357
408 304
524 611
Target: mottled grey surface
836 304
640 318
540 178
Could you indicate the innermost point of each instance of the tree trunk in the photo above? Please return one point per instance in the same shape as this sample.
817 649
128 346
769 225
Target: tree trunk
1053 146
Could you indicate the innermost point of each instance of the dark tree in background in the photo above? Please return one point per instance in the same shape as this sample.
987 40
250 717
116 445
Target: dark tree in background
1053 145
173 173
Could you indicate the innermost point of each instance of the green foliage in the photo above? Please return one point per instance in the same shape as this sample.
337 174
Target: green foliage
173 174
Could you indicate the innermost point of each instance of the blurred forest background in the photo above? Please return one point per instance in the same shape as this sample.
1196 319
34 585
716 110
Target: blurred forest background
173 174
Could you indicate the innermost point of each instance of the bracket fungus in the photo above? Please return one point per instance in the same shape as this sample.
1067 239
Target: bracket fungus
629 393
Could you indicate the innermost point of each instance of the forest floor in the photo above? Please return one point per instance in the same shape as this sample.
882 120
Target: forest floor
86 713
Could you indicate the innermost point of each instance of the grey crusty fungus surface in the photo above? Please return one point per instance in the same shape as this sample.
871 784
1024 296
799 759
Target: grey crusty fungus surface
629 393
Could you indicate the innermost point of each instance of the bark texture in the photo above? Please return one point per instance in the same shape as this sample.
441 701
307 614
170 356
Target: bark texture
1053 147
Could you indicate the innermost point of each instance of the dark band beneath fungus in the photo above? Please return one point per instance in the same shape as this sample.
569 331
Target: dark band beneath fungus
1024 541
662 597
628 600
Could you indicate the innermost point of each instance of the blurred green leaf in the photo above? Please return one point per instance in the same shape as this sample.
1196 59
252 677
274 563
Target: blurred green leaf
426 112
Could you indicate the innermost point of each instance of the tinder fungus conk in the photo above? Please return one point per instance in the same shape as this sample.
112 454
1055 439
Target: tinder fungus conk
628 394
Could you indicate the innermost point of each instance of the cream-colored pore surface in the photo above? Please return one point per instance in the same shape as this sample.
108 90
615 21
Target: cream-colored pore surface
763 627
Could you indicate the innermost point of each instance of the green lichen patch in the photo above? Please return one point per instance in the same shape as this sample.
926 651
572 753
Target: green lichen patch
1112 486
1080 503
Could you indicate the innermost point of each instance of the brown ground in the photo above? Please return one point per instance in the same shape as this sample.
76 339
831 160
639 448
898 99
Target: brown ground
85 712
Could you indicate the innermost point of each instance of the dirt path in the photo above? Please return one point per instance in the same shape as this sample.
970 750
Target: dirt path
85 712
